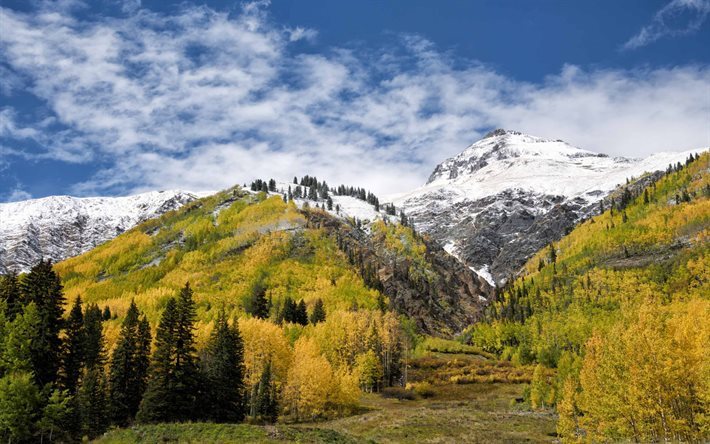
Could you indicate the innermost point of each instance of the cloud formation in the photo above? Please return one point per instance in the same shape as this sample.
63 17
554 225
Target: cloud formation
679 17
203 99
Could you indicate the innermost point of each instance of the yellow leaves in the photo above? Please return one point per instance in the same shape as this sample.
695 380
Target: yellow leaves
647 377
264 342
313 389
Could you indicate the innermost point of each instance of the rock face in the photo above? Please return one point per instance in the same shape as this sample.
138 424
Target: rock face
450 299
59 227
509 194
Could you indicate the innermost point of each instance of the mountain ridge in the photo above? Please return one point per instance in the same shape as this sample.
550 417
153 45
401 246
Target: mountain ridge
509 194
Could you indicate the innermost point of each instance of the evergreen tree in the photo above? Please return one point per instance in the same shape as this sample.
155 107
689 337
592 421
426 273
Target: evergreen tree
187 377
73 350
301 313
92 393
57 415
174 385
289 311
266 404
92 402
157 401
19 402
318 313
552 253
10 295
257 305
224 371
94 344
42 287
106 315
645 196
128 368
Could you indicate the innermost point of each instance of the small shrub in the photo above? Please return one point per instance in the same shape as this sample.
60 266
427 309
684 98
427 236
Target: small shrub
399 393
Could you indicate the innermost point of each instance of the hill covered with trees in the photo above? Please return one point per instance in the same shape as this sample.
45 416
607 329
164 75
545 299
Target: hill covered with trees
620 309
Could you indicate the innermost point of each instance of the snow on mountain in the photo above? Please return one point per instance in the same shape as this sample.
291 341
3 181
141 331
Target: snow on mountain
59 227
507 195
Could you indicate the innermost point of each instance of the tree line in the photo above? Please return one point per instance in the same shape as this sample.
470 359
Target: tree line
57 382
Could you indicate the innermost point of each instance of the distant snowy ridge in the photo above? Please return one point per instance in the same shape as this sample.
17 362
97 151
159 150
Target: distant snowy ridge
59 227
511 193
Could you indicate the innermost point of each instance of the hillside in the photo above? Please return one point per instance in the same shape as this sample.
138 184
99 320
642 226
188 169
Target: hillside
620 308
235 243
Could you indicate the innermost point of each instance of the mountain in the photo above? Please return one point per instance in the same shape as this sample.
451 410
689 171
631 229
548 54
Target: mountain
509 194
620 309
60 227
236 241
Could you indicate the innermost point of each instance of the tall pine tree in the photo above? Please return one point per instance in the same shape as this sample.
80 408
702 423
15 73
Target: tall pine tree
73 350
174 385
43 287
128 368
224 371
92 394
156 403
10 295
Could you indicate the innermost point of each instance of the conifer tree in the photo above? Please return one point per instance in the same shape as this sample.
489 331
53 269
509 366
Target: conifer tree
174 387
266 404
92 402
157 401
92 393
224 371
10 295
187 377
318 314
42 287
94 344
128 368
106 314
73 350
289 311
301 313
258 305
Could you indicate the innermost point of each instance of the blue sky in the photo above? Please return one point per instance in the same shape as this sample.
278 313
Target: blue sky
113 97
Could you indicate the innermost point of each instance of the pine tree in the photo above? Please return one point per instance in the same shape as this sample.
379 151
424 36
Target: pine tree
43 287
224 371
187 377
106 314
645 196
56 415
157 401
92 402
318 313
10 295
94 344
301 313
128 368
174 386
92 393
289 311
266 398
73 350
258 305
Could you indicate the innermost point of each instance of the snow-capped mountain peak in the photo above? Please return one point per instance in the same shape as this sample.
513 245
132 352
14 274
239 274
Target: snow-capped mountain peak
484 202
59 227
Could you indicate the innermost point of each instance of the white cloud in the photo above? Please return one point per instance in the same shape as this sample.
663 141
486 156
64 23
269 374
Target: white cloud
678 17
16 194
204 100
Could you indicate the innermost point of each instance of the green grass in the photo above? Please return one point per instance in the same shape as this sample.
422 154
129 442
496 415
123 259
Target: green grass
222 433
451 413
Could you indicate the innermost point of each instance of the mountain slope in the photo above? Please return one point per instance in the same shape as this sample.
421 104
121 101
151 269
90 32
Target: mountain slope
234 243
59 227
620 308
509 194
